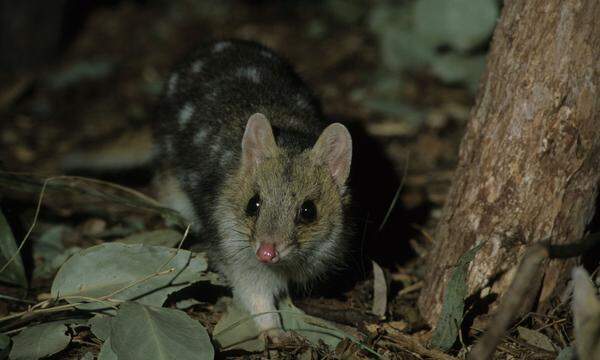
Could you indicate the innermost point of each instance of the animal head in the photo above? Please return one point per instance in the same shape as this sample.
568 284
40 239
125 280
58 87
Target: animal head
284 206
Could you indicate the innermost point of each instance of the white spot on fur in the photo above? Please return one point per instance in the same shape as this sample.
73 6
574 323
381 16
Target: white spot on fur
267 54
191 178
172 85
215 148
185 114
197 66
226 157
250 73
169 146
301 102
211 96
200 137
220 46
171 195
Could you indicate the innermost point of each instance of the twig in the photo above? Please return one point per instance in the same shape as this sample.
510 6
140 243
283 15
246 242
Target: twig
330 330
11 298
185 234
35 217
125 189
34 311
136 282
30 313
410 288
519 290
346 316
511 302
407 342
396 196
137 200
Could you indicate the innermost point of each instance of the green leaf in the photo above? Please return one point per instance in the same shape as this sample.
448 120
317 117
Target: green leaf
147 274
536 338
106 351
312 328
39 341
446 332
73 187
411 117
49 252
237 329
462 24
100 326
386 17
91 70
347 11
400 46
5 343
453 68
163 237
14 273
404 49
148 333
567 353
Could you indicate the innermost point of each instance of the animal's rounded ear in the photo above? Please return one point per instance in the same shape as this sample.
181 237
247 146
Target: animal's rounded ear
334 149
258 142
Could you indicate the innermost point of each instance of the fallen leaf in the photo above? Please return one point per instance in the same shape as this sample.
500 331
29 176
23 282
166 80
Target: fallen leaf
162 237
446 332
380 291
145 273
14 272
100 326
148 333
40 341
237 329
106 351
536 338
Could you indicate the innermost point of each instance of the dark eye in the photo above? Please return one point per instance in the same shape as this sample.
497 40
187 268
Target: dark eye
308 212
253 206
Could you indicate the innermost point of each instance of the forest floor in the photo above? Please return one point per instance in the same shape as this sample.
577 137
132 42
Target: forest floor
107 82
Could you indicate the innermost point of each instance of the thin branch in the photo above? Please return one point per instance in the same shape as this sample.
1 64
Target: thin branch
35 217
519 290
397 195
11 298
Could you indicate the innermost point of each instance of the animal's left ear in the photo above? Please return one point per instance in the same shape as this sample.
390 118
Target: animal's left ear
334 149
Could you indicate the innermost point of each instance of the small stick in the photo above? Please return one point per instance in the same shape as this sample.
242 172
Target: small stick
518 291
347 316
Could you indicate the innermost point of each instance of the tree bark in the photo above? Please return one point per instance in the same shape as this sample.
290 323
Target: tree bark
529 163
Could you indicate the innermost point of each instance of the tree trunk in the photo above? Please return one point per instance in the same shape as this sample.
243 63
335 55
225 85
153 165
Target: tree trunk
529 161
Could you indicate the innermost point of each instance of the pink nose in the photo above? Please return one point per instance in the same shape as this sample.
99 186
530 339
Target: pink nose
266 253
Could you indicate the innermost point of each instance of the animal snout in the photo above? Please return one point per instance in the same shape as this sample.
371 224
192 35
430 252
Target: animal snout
267 253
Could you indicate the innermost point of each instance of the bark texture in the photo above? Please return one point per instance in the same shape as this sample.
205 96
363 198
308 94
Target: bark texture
529 163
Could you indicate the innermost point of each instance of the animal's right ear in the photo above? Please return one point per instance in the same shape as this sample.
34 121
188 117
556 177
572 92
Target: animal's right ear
334 149
258 142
